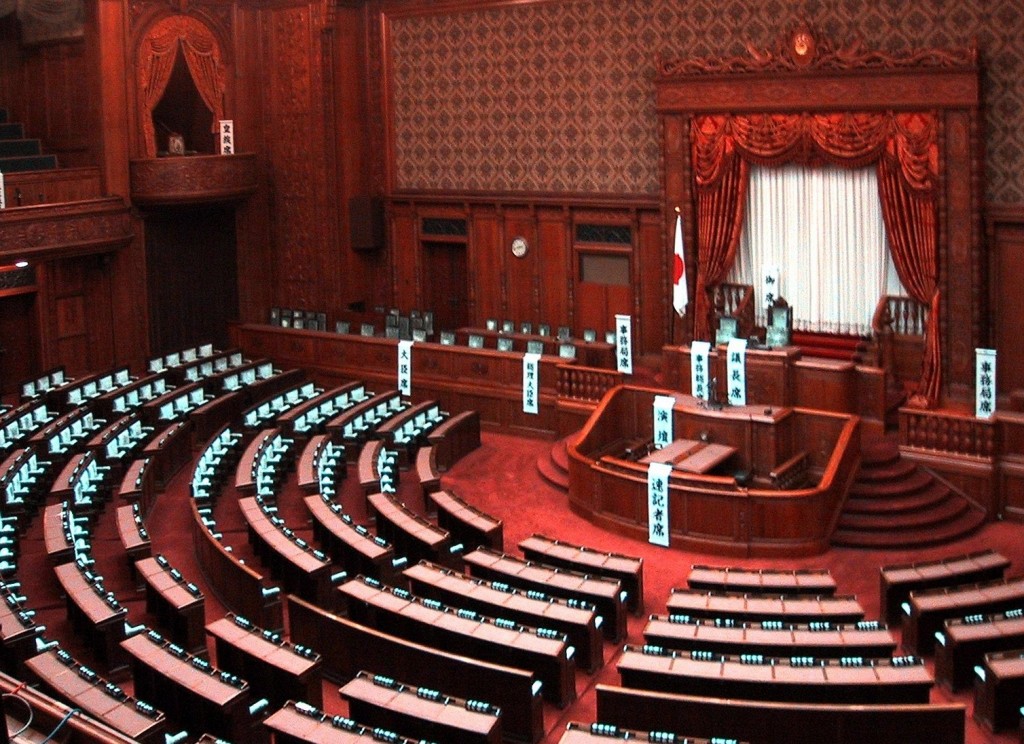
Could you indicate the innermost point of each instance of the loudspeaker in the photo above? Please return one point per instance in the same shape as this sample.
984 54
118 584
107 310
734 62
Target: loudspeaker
366 223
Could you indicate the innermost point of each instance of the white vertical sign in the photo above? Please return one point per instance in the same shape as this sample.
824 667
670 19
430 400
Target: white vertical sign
984 382
624 344
736 370
3 192
769 286
531 383
663 405
226 128
700 361
657 503
405 367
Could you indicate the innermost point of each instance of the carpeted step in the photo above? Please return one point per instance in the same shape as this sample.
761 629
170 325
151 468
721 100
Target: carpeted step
560 455
879 452
925 498
936 514
916 480
553 465
886 471
12 148
912 538
9 130
29 163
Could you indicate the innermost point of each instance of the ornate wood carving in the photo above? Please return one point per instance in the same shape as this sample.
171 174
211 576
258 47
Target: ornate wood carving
193 180
60 230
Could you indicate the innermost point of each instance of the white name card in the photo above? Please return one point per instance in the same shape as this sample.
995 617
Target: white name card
3 193
736 369
226 136
624 344
663 405
531 383
405 367
984 383
657 503
769 286
700 361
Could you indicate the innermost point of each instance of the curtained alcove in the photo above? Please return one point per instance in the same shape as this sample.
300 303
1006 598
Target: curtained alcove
914 116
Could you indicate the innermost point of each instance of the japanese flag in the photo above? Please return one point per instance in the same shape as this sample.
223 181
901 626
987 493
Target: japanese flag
680 295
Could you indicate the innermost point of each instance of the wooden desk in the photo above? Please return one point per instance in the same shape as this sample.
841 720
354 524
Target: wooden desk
396 611
465 523
133 535
454 437
787 608
998 693
605 594
412 535
178 604
137 485
770 638
168 452
194 693
577 620
57 537
628 570
350 545
422 712
298 722
966 641
597 733
275 669
100 618
18 631
873 682
761 581
348 647
679 449
83 688
896 582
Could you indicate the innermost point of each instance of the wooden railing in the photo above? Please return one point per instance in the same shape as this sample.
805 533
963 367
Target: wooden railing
586 383
52 186
898 328
947 432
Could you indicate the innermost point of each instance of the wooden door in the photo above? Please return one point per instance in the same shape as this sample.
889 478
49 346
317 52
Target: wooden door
19 353
444 284
1008 317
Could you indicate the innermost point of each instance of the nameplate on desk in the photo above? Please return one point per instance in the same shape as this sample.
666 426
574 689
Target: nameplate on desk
624 344
405 367
531 383
736 371
663 405
700 359
657 503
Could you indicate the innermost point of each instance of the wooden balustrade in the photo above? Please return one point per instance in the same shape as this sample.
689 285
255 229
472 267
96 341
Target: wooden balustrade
586 383
948 432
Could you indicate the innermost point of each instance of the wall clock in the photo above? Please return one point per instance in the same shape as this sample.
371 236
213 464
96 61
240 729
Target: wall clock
519 247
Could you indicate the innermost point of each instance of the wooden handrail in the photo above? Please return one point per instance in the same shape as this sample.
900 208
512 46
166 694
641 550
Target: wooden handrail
947 431
586 383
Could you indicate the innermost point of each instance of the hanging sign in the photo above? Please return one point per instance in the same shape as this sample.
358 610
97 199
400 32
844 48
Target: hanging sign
736 369
624 344
663 405
226 128
769 286
984 382
3 192
405 367
657 503
531 383
700 361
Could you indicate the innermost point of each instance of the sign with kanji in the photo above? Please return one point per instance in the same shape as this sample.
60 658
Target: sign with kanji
405 367
226 137
657 503
663 405
769 286
531 383
984 382
624 344
3 193
736 371
700 369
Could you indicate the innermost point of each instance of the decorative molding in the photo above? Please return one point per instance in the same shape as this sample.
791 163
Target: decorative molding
197 179
62 230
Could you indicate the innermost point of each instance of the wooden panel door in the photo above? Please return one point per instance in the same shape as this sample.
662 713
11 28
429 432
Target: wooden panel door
1008 317
444 286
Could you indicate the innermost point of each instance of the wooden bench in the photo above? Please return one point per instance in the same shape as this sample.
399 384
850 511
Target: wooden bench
83 688
896 582
770 637
603 593
275 669
925 610
800 679
781 723
425 713
394 610
787 608
999 689
133 535
464 522
627 569
761 581
963 642
348 647
577 620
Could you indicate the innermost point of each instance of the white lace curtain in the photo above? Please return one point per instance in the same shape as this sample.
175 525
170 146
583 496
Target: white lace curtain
823 230
58 13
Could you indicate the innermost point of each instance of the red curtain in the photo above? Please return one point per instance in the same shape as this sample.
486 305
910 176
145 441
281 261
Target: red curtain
904 149
157 53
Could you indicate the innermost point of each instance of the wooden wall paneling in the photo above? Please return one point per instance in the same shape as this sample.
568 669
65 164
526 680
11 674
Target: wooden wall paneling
552 247
651 301
19 340
1006 241
675 138
521 273
404 248
487 267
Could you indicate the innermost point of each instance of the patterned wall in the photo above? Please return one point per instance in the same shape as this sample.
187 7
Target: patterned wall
558 96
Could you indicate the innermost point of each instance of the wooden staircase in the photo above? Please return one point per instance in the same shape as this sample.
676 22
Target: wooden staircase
895 503
18 153
553 465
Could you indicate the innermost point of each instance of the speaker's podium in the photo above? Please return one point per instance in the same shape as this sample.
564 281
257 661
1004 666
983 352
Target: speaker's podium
745 480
